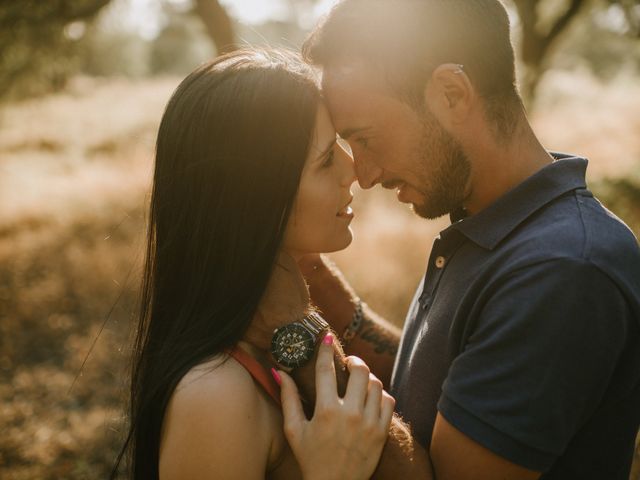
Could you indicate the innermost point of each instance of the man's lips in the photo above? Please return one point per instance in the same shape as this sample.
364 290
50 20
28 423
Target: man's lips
401 192
397 185
392 184
404 191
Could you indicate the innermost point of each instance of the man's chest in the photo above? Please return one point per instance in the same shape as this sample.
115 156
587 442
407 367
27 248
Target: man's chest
438 322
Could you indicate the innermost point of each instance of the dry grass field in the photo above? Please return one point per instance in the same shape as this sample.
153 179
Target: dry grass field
74 175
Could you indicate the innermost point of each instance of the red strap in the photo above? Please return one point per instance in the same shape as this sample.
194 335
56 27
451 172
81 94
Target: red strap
258 372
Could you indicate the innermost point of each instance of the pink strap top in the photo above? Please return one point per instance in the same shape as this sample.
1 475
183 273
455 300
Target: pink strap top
258 372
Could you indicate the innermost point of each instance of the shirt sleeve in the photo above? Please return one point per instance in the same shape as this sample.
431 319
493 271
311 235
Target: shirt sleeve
537 360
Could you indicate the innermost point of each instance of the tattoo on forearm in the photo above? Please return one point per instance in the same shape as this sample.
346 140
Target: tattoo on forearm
377 336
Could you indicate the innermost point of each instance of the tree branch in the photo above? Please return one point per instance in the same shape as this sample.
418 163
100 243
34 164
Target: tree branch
562 22
217 23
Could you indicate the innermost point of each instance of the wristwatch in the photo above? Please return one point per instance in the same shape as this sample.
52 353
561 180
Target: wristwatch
294 344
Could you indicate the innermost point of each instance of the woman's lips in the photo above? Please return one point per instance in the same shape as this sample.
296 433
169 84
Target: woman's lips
403 193
346 211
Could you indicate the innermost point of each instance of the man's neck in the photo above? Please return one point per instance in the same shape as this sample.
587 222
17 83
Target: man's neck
498 167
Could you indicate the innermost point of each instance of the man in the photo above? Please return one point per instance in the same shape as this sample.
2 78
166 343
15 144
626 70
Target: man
520 356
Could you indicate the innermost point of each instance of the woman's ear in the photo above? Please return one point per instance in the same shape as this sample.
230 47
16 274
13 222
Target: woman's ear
449 94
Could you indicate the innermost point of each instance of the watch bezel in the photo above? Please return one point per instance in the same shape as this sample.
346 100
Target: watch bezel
307 350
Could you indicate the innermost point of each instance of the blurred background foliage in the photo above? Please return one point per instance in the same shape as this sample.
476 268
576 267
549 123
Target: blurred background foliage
82 87
44 43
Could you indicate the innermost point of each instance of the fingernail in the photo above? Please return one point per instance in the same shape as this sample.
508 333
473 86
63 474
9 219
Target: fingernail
276 376
328 339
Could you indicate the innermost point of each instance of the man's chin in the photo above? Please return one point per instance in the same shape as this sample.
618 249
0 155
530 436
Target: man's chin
423 204
428 212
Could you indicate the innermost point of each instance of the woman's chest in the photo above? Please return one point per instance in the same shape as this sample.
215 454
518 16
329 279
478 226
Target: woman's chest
286 467
282 463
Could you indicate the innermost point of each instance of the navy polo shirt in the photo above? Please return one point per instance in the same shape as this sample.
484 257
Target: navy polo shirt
525 332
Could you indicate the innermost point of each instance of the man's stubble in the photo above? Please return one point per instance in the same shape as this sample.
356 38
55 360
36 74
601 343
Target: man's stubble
445 170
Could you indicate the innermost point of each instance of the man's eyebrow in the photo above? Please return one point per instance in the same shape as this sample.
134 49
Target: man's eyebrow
345 134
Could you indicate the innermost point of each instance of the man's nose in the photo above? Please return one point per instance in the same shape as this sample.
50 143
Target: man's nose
368 172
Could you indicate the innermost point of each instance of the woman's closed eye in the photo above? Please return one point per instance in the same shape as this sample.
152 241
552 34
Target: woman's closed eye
328 160
362 141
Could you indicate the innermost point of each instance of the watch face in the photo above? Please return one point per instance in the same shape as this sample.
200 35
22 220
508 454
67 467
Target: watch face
292 345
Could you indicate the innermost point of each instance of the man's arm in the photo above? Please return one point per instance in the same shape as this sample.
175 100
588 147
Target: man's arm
376 341
455 456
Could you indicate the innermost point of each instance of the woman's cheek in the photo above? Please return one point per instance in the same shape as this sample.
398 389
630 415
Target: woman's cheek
323 203
304 229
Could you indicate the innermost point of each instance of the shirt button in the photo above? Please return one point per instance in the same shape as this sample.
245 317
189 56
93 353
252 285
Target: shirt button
440 261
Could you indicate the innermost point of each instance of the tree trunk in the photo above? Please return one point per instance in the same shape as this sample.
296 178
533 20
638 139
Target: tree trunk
535 45
218 24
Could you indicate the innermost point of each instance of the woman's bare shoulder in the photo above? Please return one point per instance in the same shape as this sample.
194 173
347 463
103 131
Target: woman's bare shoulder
215 423
219 380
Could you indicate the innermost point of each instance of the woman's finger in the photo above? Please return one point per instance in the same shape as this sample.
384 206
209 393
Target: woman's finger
373 403
292 411
326 384
386 410
358 383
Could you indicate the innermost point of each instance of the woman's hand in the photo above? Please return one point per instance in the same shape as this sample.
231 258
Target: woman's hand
345 437
285 300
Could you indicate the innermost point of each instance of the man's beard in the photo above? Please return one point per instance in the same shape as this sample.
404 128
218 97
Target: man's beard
445 171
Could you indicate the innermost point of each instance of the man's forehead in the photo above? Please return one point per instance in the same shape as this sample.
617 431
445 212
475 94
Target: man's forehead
356 96
348 107
343 71
346 75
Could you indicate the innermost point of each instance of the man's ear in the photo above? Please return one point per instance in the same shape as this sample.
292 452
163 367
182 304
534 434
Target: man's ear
449 94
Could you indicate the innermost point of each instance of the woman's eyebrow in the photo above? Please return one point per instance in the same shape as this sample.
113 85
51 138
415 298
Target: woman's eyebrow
327 149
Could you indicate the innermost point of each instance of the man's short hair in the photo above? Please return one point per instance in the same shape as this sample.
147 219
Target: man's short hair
407 39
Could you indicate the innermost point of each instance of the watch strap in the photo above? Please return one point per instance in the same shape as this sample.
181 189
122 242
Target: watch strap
314 323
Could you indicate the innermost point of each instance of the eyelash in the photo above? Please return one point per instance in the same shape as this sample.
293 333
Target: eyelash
362 141
329 160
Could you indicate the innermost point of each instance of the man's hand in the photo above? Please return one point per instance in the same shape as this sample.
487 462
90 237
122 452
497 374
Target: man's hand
377 340
285 300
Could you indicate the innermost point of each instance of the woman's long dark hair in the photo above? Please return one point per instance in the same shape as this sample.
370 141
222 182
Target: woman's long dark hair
230 151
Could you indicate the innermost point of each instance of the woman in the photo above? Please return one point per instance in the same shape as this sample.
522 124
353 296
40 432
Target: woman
248 179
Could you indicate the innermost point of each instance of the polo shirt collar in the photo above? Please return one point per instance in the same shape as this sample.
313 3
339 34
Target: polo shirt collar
490 226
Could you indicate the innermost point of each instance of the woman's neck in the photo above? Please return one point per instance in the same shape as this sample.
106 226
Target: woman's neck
293 254
257 353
